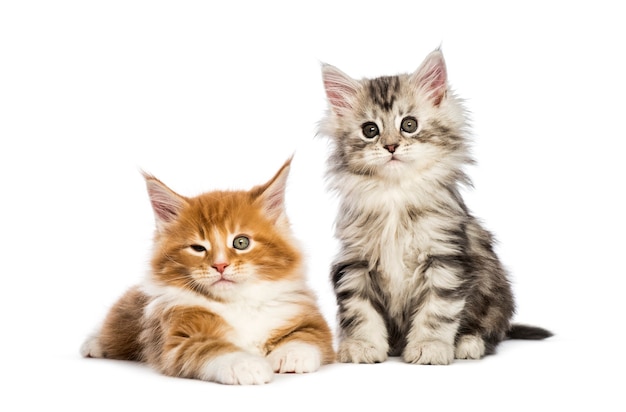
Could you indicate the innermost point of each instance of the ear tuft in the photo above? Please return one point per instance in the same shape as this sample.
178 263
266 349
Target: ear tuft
432 77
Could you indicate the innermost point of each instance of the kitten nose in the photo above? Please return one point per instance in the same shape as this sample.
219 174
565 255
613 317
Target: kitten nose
391 148
220 267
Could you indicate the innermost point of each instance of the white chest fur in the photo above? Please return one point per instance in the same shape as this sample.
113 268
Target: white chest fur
254 322
386 225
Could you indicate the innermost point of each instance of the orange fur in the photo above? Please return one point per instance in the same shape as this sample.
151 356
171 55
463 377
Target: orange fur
226 291
308 327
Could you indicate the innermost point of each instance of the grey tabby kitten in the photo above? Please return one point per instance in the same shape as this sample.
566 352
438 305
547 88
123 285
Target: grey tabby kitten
417 274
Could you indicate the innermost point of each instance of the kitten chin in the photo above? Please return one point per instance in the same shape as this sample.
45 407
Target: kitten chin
226 299
395 168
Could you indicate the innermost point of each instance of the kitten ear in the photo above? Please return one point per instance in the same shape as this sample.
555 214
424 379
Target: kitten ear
165 202
341 89
432 77
271 196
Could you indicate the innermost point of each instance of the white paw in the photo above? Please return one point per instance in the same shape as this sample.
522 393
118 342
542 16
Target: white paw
360 351
429 353
238 368
91 347
470 347
298 357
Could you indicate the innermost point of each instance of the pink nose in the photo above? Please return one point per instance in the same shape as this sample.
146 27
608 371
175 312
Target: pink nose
391 148
220 267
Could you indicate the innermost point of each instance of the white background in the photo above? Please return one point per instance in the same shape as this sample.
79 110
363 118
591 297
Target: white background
209 96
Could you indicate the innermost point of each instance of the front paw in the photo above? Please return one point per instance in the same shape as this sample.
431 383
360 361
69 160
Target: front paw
238 368
429 353
360 351
295 357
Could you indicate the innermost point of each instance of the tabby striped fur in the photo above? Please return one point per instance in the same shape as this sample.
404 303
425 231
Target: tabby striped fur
417 274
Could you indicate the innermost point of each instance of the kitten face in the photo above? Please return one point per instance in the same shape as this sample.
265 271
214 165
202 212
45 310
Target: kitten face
216 265
382 136
218 242
389 126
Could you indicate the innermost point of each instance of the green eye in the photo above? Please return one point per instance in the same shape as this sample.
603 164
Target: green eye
370 130
241 243
409 124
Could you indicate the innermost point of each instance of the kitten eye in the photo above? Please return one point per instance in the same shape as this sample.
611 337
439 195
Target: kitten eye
198 248
241 243
409 124
370 130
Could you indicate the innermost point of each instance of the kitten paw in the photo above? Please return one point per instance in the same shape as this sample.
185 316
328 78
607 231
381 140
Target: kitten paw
429 353
296 357
358 351
238 368
470 347
91 348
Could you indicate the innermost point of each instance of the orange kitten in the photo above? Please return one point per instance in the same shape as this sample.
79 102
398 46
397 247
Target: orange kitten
226 300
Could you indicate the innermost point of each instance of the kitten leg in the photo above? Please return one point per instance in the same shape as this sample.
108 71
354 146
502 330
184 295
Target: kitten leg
431 338
470 347
294 356
434 327
363 337
195 346
362 330
303 345
237 368
216 361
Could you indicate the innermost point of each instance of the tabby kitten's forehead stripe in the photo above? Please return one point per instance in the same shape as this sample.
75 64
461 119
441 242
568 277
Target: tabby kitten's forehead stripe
416 274
226 299
383 91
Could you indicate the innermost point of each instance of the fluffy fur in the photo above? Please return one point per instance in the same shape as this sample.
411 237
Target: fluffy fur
417 274
226 299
